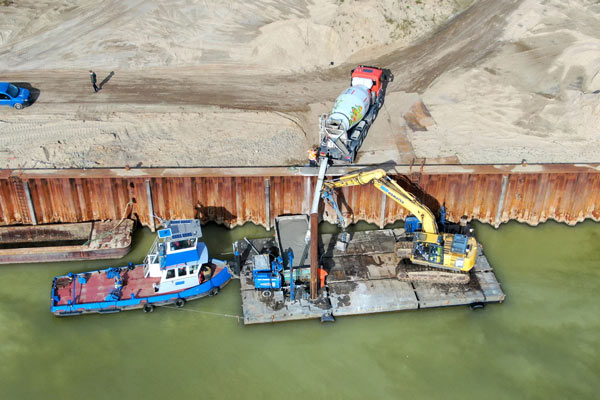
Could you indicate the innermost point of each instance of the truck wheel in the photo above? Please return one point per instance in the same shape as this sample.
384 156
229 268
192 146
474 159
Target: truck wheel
18 106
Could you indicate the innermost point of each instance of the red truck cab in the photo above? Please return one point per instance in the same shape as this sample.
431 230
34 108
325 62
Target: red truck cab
372 73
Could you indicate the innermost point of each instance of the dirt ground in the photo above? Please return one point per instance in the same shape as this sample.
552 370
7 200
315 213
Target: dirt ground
193 83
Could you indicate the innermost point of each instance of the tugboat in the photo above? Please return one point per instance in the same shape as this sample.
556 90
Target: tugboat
176 269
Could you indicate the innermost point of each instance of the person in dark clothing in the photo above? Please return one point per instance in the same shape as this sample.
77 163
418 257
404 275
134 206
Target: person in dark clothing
93 79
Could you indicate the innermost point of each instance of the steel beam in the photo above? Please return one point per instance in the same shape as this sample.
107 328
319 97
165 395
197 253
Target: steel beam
30 203
501 200
150 206
268 203
427 169
383 204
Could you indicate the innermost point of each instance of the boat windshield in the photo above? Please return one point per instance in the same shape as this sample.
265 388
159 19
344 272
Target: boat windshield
12 90
181 245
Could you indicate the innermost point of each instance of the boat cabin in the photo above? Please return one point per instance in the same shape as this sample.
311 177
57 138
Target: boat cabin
176 256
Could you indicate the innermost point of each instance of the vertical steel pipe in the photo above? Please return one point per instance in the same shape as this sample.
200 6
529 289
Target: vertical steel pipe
314 254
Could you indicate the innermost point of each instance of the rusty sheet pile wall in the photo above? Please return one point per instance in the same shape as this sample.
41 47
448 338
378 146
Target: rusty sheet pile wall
234 200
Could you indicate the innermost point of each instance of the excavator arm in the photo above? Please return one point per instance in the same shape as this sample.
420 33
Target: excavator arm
391 189
454 252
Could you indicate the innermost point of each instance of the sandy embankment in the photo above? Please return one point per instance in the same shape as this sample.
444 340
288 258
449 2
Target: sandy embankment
158 39
179 66
535 98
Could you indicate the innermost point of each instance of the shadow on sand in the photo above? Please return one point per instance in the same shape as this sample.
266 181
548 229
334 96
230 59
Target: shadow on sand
105 80
34 92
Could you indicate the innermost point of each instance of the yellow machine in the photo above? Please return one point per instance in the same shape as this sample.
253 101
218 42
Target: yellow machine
454 252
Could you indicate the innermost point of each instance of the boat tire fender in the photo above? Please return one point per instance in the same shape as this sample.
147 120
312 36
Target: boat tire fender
148 308
179 303
477 306
214 291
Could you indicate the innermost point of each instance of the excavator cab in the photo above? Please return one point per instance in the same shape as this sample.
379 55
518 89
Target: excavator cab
428 251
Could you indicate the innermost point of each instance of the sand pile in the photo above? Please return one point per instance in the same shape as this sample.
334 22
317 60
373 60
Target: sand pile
529 92
335 31
137 34
533 99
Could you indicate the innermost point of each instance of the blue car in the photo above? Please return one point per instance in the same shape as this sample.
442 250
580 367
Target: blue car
11 95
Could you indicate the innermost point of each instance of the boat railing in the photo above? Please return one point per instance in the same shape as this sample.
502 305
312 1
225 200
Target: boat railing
153 252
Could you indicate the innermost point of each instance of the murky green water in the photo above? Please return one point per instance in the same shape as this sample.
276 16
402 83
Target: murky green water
542 343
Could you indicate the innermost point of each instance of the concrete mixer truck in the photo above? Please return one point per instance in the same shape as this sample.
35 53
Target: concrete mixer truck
343 131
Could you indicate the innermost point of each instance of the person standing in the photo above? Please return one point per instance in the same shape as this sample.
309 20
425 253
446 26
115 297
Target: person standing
93 79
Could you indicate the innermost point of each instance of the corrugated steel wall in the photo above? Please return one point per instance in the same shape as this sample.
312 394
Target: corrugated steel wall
234 200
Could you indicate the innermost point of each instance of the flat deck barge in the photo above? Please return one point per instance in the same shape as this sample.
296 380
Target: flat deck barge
361 280
65 242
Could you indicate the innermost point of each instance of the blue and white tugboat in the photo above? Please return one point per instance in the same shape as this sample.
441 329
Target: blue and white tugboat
176 269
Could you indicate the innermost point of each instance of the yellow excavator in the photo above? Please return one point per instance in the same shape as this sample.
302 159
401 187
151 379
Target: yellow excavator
435 257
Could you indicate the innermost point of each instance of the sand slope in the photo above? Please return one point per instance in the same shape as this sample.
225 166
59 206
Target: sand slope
137 34
533 98
198 83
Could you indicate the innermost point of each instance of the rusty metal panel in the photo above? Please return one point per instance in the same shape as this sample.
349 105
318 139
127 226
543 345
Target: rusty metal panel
287 195
233 200
568 198
10 212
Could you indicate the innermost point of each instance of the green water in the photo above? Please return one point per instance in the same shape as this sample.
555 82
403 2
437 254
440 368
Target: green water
542 343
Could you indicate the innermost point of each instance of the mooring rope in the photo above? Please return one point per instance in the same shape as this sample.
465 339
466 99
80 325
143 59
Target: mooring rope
203 312
102 236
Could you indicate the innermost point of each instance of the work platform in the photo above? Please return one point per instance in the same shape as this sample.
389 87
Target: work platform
361 280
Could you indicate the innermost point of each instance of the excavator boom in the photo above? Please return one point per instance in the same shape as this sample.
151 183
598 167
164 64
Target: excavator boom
454 252
388 186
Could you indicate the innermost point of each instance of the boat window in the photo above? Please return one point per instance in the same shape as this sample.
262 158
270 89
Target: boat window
192 269
181 244
182 271
170 274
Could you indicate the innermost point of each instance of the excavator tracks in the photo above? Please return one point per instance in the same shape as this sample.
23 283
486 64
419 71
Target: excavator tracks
409 272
